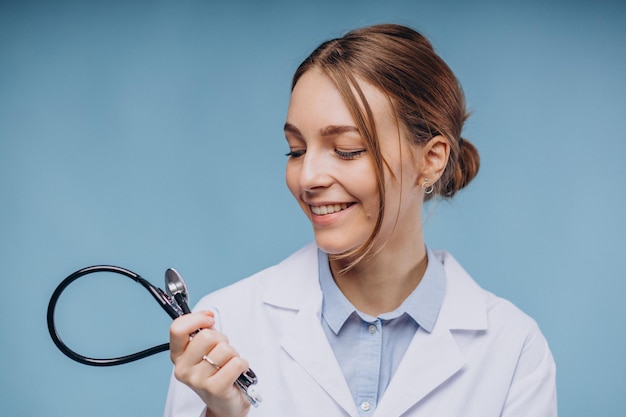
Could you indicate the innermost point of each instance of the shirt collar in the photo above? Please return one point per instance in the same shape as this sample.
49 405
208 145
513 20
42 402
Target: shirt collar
422 305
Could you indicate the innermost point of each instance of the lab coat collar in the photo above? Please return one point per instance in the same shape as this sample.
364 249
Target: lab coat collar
464 305
430 360
296 284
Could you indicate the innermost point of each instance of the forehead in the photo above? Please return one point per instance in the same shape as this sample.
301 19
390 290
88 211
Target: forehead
316 99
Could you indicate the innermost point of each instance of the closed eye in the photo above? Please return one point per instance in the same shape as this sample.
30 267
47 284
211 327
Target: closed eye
350 154
295 154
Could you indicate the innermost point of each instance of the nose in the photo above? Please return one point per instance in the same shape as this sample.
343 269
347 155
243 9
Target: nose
315 171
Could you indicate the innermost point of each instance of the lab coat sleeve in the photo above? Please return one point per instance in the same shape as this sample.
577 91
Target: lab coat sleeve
533 387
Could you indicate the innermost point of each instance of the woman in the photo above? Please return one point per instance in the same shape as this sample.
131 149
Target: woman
367 321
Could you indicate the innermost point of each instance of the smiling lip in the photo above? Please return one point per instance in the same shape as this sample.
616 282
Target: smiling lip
329 208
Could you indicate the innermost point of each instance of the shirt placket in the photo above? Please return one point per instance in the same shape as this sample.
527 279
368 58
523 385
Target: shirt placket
370 353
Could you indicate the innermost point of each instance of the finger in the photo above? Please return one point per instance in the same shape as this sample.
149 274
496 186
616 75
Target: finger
185 325
202 343
203 369
221 353
219 389
224 379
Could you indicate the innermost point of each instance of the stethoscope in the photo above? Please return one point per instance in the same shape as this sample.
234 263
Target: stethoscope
173 300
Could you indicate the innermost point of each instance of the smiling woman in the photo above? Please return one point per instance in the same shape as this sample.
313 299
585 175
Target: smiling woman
367 320
328 165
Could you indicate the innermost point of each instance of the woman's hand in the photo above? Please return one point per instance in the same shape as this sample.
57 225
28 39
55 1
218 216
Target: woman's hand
214 383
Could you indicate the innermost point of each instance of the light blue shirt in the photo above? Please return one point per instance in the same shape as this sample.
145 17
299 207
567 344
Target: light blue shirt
369 349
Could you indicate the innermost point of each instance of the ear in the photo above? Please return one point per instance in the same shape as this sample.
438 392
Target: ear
435 156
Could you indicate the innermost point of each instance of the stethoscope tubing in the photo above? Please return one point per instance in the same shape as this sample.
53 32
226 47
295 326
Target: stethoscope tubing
56 338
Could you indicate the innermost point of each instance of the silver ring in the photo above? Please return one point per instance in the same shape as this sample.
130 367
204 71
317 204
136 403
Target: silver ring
213 364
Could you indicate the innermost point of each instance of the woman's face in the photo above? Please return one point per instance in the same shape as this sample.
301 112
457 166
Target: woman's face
332 176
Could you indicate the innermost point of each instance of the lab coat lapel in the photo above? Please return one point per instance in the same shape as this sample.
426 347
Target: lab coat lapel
430 360
303 339
433 358
307 344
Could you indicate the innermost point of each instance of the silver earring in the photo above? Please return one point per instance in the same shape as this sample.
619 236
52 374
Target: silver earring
427 186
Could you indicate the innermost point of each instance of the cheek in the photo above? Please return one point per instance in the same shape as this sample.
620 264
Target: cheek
291 178
366 187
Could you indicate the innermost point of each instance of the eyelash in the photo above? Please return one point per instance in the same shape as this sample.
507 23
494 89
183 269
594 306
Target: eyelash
294 154
342 154
349 155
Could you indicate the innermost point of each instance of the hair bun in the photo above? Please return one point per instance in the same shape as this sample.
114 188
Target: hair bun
464 169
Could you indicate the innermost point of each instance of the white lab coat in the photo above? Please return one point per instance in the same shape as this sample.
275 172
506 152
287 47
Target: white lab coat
484 357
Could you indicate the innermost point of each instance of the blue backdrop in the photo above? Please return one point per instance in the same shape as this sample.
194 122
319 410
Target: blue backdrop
148 134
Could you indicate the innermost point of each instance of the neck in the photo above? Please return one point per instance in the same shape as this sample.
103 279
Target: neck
381 283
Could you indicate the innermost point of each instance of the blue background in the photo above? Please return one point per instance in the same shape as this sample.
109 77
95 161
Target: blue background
149 135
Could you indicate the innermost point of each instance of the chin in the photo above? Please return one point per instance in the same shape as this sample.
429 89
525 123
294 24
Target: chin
334 246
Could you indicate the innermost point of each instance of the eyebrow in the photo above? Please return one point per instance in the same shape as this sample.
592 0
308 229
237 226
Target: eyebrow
330 130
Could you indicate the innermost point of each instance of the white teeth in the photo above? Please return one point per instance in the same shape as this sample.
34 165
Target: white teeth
329 209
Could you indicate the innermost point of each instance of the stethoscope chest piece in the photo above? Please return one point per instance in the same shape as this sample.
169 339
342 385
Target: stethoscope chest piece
175 287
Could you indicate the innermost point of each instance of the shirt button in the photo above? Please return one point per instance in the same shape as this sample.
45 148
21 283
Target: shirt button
365 406
372 329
